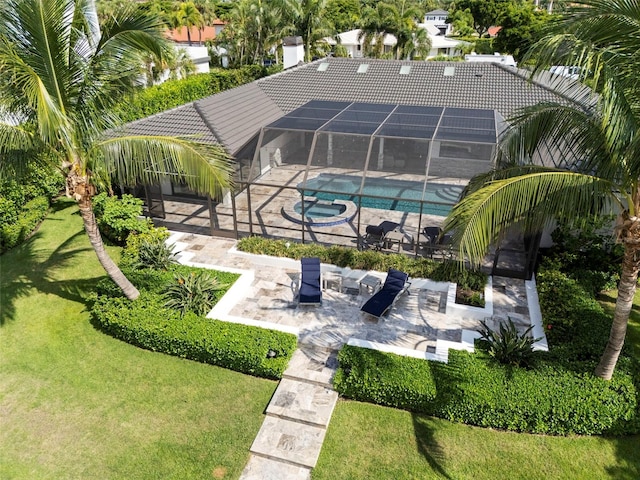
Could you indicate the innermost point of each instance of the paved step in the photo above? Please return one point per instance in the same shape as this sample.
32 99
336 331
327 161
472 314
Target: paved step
292 442
262 468
304 402
313 366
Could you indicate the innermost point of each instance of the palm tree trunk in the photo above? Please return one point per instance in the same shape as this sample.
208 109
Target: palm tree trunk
626 291
91 227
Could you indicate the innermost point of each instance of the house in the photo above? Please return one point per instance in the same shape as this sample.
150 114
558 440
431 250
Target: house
415 132
196 49
438 19
506 60
440 45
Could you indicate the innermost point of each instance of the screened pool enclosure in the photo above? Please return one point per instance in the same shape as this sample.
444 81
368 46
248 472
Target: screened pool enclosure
328 169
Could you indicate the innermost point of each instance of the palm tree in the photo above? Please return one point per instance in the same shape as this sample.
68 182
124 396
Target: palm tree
60 76
593 140
189 16
312 23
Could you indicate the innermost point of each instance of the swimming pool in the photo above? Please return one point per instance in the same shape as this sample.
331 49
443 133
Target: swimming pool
401 195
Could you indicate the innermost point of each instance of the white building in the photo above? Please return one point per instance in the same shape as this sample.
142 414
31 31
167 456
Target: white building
507 60
440 45
438 19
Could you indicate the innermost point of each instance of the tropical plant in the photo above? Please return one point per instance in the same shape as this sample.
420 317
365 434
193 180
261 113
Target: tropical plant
60 77
187 15
590 138
155 253
312 23
194 292
507 345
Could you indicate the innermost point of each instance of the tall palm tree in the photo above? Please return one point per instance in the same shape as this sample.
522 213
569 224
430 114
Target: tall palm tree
593 140
312 23
60 76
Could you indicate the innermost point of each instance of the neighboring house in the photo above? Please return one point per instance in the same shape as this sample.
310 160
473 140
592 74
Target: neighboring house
196 49
439 45
438 19
493 31
506 60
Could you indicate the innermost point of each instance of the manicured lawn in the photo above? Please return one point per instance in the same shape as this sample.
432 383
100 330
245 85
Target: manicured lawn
75 403
367 441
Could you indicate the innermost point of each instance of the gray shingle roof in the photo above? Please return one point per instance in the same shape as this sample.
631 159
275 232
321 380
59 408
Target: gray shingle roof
473 85
233 117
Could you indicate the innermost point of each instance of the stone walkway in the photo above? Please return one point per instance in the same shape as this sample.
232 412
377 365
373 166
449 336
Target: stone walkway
426 323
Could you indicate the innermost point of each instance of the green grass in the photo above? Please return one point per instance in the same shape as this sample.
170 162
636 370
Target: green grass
367 441
75 403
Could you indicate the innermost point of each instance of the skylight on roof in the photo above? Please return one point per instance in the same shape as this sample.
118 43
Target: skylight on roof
363 68
405 69
449 71
323 67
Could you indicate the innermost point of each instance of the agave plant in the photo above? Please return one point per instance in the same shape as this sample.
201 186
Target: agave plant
194 292
507 345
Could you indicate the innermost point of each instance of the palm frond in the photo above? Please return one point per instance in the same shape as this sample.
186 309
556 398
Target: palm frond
531 200
204 168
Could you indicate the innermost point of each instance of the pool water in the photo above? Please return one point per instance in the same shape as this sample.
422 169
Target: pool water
313 209
408 193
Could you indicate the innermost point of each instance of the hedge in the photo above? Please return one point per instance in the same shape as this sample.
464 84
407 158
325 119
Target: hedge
449 271
147 323
30 215
469 389
174 93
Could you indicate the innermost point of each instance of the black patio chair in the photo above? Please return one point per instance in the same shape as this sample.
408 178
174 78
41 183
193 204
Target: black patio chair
374 237
395 285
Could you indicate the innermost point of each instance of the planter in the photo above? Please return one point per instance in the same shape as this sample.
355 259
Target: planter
467 311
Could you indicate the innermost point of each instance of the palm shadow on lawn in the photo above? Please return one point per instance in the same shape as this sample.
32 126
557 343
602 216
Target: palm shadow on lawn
33 265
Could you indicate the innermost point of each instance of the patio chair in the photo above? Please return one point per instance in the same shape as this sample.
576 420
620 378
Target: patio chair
396 284
374 237
310 291
434 241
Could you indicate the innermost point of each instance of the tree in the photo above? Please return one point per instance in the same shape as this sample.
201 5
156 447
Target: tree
311 23
188 16
486 13
522 26
60 77
462 22
593 139
343 14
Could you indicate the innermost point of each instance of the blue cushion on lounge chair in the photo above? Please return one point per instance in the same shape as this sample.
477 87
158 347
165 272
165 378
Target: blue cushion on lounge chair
386 296
310 290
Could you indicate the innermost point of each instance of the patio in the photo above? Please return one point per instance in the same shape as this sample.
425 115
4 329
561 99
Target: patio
423 323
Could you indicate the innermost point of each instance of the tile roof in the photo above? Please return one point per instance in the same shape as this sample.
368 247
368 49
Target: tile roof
233 117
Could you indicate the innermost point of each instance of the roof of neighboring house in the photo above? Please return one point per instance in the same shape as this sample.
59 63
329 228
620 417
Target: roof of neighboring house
437 12
493 31
197 34
233 117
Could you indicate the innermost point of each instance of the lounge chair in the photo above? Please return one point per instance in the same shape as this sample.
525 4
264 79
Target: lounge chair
374 237
310 291
396 284
433 240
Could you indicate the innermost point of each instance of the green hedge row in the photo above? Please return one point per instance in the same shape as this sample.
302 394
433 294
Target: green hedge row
146 323
367 260
174 93
14 232
469 389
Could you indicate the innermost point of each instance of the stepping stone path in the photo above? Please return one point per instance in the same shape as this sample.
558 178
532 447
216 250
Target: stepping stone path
289 441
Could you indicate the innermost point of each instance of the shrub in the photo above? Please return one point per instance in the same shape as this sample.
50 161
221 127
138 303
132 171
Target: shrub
155 254
147 323
548 399
194 292
30 215
119 217
367 260
507 345
131 253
